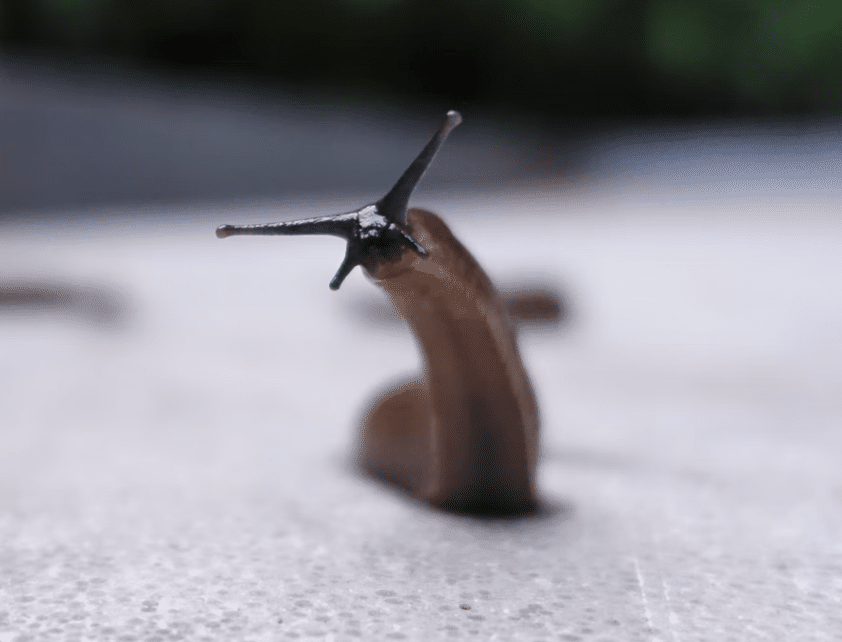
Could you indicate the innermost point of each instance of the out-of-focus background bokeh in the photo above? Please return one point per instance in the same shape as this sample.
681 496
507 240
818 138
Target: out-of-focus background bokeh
178 413
107 101
561 58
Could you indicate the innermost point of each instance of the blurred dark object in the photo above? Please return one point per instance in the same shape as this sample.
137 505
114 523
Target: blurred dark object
587 58
99 306
536 305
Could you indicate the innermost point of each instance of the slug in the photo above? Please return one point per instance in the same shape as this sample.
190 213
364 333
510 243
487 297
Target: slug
463 437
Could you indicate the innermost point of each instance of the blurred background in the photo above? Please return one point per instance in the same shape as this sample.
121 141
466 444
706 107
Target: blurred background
560 58
107 101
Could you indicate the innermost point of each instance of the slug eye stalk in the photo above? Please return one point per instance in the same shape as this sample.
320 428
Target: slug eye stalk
376 232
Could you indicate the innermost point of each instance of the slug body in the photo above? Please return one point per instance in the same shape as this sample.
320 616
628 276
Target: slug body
464 437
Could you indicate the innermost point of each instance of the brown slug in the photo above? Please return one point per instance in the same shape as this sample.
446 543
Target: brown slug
464 437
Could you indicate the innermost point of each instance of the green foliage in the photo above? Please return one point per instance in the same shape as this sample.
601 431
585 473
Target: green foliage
564 18
758 53
803 18
588 57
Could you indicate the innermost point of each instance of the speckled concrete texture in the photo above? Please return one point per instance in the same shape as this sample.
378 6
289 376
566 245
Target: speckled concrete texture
182 469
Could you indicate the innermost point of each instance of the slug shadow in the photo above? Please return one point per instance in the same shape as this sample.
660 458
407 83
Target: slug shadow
547 510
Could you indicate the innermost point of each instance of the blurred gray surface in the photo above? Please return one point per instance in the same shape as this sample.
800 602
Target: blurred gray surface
74 138
184 472
77 137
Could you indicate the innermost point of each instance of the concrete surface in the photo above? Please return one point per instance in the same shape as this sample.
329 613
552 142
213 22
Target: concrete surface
179 468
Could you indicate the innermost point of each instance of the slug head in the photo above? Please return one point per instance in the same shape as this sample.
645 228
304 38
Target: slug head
375 232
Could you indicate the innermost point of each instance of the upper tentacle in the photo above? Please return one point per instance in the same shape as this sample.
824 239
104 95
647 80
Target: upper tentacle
375 233
393 205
